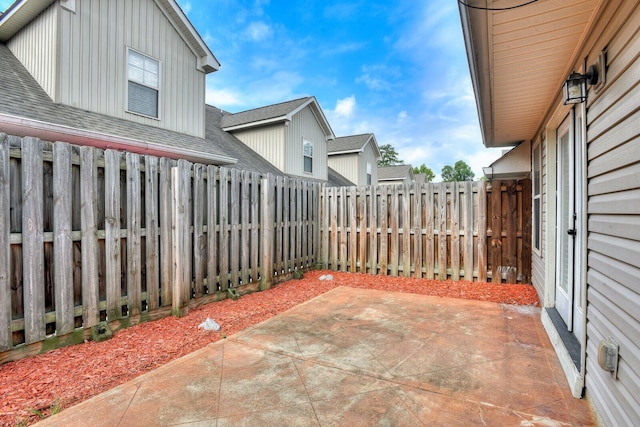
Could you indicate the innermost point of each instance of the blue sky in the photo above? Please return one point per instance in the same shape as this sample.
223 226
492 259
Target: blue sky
394 68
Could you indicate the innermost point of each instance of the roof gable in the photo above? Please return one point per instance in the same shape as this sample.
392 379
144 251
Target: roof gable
388 173
353 144
21 12
27 110
276 113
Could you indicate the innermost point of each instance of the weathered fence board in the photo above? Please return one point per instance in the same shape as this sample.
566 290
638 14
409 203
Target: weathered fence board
134 259
62 243
33 240
89 242
5 246
130 244
431 230
152 267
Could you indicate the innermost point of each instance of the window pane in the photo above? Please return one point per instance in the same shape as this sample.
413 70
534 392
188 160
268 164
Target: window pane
136 59
308 164
136 74
142 100
308 148
536 223
536 170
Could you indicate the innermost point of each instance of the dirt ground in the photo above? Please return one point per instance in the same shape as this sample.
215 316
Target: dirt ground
35 387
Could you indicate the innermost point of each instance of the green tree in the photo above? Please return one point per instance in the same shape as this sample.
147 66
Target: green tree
388 156
425 170
459 172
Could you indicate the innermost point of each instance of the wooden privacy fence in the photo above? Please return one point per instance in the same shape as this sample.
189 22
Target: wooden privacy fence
454 230
88 235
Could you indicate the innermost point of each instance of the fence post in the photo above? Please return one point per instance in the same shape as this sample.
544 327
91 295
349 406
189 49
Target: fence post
5 246
180 248
266 237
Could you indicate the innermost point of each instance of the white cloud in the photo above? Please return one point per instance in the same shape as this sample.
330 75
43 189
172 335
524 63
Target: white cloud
258 31
346 106
223 98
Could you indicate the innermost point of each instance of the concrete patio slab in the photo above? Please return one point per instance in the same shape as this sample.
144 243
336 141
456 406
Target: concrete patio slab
354 357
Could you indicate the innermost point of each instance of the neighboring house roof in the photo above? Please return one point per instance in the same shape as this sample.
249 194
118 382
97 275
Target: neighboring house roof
276 113
531 48
232 146
395 172
337 180
21 12
26 110
514 164
352 144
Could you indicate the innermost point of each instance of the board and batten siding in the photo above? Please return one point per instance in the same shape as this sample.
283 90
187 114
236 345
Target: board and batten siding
613 245
304 125
40 62
347 165
93 62
369 157
267 141
353 166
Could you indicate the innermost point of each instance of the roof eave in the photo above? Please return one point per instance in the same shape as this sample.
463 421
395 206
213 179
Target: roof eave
207 61
22 126
477 45
19 14
258 123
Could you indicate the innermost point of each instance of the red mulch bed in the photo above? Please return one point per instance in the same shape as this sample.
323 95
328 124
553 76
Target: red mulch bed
29 388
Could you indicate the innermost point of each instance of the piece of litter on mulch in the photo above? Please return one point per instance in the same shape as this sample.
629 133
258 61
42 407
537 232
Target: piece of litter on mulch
326 277
209 325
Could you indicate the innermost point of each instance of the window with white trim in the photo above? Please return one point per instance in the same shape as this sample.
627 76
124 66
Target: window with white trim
143 83
307 152
537 201
368 173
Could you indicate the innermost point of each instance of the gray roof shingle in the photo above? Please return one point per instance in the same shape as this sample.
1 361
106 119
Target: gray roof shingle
232 146
393 172
348 143
263 113
22 96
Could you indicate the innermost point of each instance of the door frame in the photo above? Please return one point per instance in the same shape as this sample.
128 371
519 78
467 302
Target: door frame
574 377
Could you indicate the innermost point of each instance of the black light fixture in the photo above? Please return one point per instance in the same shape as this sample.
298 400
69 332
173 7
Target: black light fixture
575 88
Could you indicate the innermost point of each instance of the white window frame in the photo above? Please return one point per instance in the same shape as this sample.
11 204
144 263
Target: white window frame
306 142
143 83
369 177
536 184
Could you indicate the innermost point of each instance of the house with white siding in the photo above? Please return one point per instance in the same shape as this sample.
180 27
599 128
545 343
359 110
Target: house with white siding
356 158
395 175
564 76
120 74
291 135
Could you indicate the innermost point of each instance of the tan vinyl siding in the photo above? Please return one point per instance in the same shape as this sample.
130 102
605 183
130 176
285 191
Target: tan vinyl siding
268 141
304 125
93 61
353 166
347 166
369 156
613 295
40 62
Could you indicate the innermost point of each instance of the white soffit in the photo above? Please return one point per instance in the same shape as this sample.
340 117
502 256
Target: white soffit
530 51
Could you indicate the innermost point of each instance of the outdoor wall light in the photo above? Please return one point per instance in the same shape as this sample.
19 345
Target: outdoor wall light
575 88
